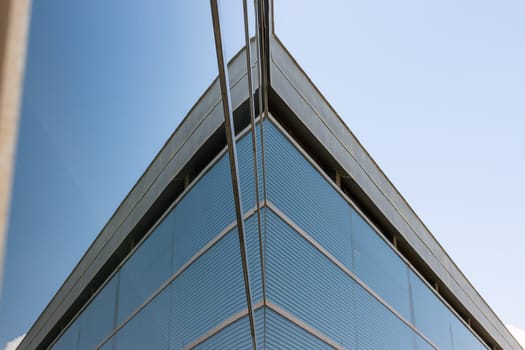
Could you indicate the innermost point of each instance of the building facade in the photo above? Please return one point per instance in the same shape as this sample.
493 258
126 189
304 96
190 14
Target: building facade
336 259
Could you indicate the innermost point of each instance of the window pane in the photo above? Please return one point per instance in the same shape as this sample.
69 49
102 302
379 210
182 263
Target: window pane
147 269
68 340
431 316
306 284
305 196
98 319
237 335
283 334
210 291
148 329
462 336
380 267
377 327
204 212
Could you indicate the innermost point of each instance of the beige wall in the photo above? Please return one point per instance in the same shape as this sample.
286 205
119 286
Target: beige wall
14 21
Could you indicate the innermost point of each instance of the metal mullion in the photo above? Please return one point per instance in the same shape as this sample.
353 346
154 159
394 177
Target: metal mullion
232 151
254 142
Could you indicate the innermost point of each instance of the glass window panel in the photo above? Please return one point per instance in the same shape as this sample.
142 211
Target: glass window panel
98 319
254 261
283 334
431 316
149 328
380 267
69 339
208 292
237 336
147 269
305 283
305 196
203 213
421 344
108 345
377 327
462 336
246 171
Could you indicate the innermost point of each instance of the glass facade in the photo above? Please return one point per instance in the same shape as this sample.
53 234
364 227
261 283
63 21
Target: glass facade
330 279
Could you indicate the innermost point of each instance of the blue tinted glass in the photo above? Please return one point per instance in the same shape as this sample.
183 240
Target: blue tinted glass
146 270
204 212
462 336
300 191
420 343
380 267
246 170
208 292
252 245
108 345
98 319
237 336
431 316
377 327
69 339
283 334
148 329
306 284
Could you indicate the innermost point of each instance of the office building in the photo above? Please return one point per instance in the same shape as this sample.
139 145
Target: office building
333 257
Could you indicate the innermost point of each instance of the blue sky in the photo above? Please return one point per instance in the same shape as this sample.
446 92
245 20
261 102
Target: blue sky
433 89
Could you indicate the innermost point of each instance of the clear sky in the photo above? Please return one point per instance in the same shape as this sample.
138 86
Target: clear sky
433 89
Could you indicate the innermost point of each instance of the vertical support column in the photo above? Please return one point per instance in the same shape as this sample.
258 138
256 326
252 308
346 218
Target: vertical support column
262 71
338 178
232 152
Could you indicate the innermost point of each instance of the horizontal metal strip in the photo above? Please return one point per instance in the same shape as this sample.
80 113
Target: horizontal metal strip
223 325
304 325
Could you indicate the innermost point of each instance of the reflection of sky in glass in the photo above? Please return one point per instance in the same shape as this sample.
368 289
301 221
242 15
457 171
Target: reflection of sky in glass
106 83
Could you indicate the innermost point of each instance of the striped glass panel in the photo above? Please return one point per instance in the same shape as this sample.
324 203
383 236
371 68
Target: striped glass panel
148 330
306 284
98 319
207 293
300 191
380 267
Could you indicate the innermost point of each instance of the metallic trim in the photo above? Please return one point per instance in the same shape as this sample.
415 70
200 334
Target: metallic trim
304 326
222 326
277 309
254 142
232 151
343 268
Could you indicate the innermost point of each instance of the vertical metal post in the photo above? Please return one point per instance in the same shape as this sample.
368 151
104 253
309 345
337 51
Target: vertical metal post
232 152
254 143
263 110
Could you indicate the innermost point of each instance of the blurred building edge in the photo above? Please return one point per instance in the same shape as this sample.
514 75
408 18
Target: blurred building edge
14 22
